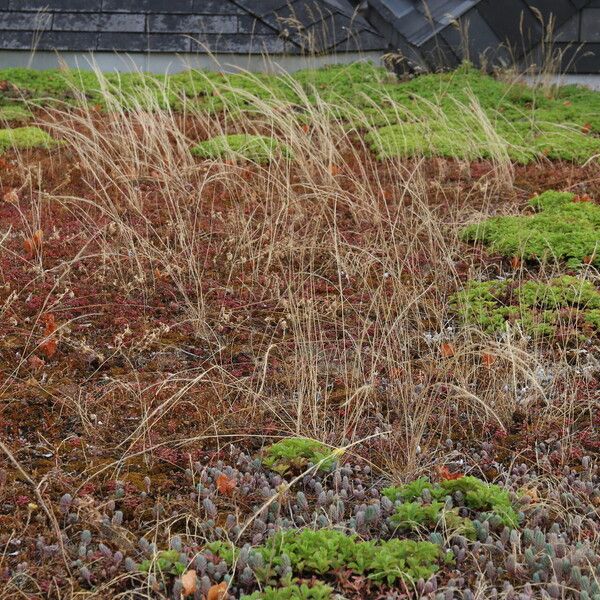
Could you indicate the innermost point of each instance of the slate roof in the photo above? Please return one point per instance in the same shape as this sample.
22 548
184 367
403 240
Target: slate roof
426 34
219 26
433 34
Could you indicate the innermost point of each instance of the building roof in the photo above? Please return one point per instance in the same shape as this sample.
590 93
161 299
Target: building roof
424 34
442 33
218 26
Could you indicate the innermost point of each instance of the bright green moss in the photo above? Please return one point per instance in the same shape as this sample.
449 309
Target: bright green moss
430 115
14 112
561 230
535 306
24 138
295 453
592 317
479 496
416 516
562 292
437 119
257 148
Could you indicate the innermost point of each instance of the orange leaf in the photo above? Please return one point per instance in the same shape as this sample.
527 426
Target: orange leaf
11 196
225 485
28 247
446 475
188 581
582 198
35 363
50 324
587 260
334 170
38 237
488 359
586 128
48 348
217 592
33 244
567 103
447 350
515 262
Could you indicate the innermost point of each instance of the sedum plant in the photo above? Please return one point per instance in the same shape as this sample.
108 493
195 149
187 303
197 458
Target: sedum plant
24 138
322 551
536 306
294 591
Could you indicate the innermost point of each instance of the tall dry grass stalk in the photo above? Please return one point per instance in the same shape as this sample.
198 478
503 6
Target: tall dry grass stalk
353 259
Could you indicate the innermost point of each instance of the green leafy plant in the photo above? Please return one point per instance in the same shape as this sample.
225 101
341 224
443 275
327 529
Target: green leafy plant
409 491
166 562
294 591
295 453
320 552
256 148
479 496
562 229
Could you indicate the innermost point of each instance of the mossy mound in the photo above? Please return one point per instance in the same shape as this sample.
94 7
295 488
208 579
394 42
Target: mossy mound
536 307
296 453
24 138
465 137
256 148
14 112
478 496
464 113
564 228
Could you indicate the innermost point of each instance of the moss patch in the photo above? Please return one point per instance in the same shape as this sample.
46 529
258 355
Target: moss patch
429 115
24 138
256 148
14 112
562 229
536 307
478 496
296 453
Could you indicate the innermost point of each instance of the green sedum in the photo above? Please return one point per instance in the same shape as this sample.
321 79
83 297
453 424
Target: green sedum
294 591
14 112
166 562
310 552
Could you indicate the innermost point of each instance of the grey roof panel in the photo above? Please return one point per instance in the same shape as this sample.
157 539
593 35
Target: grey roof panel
277 26
474 40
